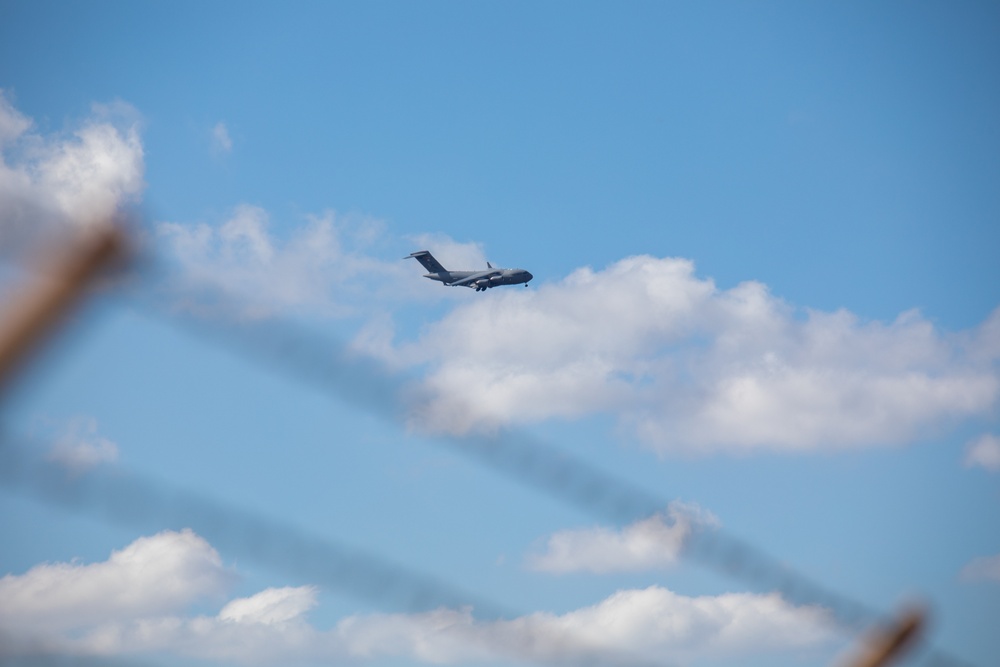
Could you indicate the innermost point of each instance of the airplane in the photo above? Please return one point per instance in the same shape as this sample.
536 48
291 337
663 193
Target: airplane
480 280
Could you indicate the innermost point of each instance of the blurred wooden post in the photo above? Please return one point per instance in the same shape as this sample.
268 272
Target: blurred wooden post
35 310
885 645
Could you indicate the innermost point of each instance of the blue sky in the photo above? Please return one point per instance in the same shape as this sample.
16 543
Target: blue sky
764 239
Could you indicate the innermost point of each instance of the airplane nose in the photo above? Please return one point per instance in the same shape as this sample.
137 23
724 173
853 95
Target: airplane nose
529 276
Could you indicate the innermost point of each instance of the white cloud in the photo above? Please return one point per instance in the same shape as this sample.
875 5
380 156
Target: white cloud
221 142
81 447
132 604
325 267
690 367
453 255
267 628
985 568
274 605
683 365
984 451
50 183
663 622
153 575
652 623
651 543
240 261
13 123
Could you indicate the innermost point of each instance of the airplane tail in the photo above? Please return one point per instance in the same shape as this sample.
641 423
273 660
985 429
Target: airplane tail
427 259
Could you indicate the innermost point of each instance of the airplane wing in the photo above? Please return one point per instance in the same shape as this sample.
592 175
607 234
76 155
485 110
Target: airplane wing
469 281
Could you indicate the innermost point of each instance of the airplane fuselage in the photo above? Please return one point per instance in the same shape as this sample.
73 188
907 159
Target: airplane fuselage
479 280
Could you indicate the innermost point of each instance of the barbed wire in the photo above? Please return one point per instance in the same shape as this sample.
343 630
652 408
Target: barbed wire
359 380
352 377
139 501
356 379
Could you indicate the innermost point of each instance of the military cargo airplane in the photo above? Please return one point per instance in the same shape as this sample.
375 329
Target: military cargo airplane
481 280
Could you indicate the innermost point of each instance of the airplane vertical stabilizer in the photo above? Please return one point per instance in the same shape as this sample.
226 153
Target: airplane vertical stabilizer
427 259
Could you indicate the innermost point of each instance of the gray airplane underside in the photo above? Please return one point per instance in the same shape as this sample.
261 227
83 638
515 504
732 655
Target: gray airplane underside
480 280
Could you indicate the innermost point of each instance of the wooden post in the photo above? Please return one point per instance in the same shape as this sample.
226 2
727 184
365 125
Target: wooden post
35 310
885 645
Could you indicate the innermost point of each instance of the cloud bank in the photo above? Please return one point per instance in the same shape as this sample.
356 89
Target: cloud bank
984 452
653 623
153 575
133 604
652 543
49 184
81 447
326 267
985 568
222 143
688 367
684 366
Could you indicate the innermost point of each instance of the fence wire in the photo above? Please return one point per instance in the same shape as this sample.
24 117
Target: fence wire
350 377
331 366
139 501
